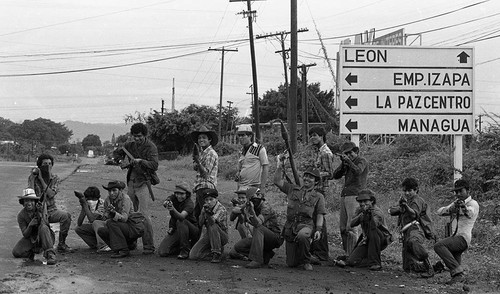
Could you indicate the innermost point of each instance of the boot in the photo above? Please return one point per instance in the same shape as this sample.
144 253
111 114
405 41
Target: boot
429 273
62 247
51 258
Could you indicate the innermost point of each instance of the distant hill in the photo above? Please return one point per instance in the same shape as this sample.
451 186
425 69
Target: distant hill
104 131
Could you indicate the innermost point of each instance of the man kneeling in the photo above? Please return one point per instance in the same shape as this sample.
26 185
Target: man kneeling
265 234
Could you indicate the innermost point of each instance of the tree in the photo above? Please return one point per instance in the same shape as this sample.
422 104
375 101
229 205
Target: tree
91 141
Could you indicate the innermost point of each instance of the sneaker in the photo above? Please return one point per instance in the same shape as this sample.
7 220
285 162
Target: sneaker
121 254
458 278
253 264
339 263
148 251
183 255
308 267
314 260
375 267
51 258
438 267
104 248
63 248
216 257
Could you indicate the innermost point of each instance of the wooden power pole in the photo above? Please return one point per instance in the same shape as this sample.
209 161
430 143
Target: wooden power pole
223 50
292 101
305 110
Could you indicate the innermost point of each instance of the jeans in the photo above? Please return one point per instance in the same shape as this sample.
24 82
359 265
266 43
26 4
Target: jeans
181 240
348 205
413 250
88 233
297 252
260 246
118 235
139 194
211 241
64 220
25 246
367 253
319 248
450 250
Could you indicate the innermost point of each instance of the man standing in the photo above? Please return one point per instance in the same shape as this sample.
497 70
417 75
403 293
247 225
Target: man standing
46 184
463 213
355 170
253 164
206 163
37 235
415 225
375 235
324 163
141 169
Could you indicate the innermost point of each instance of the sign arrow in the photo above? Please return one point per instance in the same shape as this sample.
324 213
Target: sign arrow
351 125
351 102
351 79
463 57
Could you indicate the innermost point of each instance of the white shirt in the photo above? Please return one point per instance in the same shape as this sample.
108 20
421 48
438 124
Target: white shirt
465 222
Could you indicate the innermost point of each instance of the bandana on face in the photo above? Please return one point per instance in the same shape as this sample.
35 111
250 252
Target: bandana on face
92 204
45 170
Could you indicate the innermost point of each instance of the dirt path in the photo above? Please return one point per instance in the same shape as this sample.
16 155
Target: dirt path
88 272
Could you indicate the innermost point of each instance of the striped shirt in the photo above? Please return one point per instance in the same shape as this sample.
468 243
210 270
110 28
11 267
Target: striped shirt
250 165
324 162
35 184
210 161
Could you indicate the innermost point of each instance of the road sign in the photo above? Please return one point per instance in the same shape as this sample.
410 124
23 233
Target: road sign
406 90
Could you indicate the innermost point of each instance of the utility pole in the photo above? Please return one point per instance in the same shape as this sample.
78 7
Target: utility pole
173 94
281 36
305 110
228 115
223 50
162 106
292 101
250 14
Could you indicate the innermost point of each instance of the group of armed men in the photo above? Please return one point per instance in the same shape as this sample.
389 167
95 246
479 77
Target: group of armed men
198 227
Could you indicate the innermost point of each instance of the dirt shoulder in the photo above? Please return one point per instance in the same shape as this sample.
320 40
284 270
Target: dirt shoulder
86 271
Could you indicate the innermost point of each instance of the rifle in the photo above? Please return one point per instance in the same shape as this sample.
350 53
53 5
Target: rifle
286 138
146 175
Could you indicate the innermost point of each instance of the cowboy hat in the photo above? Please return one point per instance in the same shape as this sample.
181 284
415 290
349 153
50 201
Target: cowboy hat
29 193
115 184
204 130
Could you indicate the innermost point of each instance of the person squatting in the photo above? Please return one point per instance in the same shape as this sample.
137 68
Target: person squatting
198 220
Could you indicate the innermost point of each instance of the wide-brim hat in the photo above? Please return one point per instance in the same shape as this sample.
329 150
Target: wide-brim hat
29 193
182 188
348 146
460 184
212 135
365 194
115 184
313 172
253 192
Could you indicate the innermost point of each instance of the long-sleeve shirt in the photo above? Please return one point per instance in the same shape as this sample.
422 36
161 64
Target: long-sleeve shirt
50 192
324 162
123 206
146 151
210 161
356 173
465 221
268 218
376 218
219 213
422 214
23 219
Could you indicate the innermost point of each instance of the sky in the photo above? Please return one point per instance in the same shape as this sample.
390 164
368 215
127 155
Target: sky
96 61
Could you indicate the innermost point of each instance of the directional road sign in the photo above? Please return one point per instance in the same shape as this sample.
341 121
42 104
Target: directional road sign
406 90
